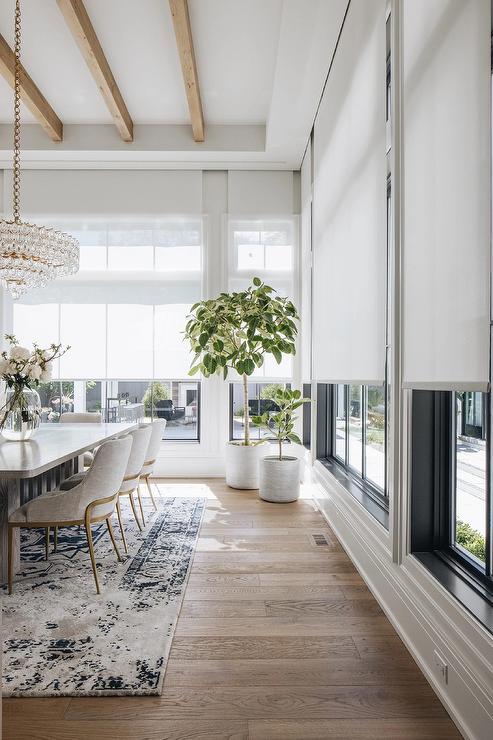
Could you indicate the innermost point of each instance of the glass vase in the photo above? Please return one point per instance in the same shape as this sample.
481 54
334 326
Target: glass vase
20 413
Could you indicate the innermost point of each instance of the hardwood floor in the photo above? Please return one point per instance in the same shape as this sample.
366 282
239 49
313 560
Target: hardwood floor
278 639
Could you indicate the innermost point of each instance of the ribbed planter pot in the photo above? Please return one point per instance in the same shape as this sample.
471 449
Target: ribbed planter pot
279 479
242 465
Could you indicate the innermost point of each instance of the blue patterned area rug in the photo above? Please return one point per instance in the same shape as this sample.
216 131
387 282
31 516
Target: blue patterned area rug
62 639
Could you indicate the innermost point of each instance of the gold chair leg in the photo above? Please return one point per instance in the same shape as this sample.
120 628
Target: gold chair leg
110 530
47 543
10 565
141 507
91 553
119 514
55 539
132 504
149 488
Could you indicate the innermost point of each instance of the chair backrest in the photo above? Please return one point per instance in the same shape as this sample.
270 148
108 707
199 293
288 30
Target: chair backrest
74 417
140 442
157 430
104 477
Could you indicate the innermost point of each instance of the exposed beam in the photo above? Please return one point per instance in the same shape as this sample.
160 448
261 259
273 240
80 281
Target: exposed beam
82 29
31 95
184 42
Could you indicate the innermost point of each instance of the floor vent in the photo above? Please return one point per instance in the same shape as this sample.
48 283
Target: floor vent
320 540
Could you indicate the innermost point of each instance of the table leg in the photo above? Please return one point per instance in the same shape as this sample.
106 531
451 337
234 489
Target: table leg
10 499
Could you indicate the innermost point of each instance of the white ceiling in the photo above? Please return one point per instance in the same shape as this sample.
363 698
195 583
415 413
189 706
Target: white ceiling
261 64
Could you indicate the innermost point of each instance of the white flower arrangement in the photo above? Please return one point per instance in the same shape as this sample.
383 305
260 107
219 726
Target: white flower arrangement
21 368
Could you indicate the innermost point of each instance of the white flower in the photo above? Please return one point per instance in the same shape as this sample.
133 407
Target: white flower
19 353
46 373
4 366
34 372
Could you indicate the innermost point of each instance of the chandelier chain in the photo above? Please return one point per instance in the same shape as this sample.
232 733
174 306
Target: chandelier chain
17 115
30 255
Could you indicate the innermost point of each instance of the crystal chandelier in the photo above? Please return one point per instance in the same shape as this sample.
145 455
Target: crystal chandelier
30 255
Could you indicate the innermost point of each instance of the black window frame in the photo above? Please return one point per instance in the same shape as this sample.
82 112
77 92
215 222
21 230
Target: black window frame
372 488
374 499
433 492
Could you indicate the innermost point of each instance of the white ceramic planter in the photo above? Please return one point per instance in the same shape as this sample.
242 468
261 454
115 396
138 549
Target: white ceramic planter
242 465
279 479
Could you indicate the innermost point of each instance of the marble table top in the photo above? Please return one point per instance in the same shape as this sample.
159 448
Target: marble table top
53 444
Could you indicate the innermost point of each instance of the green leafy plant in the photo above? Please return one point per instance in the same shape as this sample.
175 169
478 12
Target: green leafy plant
268 391
470 539
281 424
235 331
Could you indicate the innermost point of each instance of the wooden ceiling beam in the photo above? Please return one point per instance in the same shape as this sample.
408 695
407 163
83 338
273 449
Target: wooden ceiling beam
31 95
83 31
184 42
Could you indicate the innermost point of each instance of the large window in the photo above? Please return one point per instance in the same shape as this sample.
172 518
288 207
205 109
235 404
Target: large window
451 515
470 484
177 401
259 402
266 249
123 315
359 432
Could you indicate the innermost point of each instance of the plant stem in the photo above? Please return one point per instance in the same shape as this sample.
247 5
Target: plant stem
280 449
246 410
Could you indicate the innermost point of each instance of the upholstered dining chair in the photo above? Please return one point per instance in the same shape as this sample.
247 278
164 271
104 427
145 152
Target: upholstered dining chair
82 417
92 500
130 484
157 431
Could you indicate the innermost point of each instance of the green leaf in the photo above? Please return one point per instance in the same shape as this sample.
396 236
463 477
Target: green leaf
294 438
249 366
257 282
277 354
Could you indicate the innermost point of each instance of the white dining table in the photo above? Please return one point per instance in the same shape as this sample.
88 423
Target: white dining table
29 468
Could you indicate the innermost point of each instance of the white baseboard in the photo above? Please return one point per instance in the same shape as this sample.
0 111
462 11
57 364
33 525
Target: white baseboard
424 614
189 467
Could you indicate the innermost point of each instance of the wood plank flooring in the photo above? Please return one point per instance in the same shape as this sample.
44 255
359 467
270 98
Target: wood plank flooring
278 639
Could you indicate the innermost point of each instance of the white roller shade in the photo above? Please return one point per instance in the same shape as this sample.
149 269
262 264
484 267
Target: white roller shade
349 205
306 260
134 290
108 192
446 263
253 193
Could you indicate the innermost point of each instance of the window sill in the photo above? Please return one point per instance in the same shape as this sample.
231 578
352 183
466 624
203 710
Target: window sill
474 596
358 490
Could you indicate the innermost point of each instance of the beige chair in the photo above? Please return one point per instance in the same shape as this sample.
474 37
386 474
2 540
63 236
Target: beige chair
92 500
157 432
130 484
84 417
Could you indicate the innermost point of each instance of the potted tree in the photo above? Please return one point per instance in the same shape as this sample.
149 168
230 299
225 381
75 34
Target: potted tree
235 331
280 474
